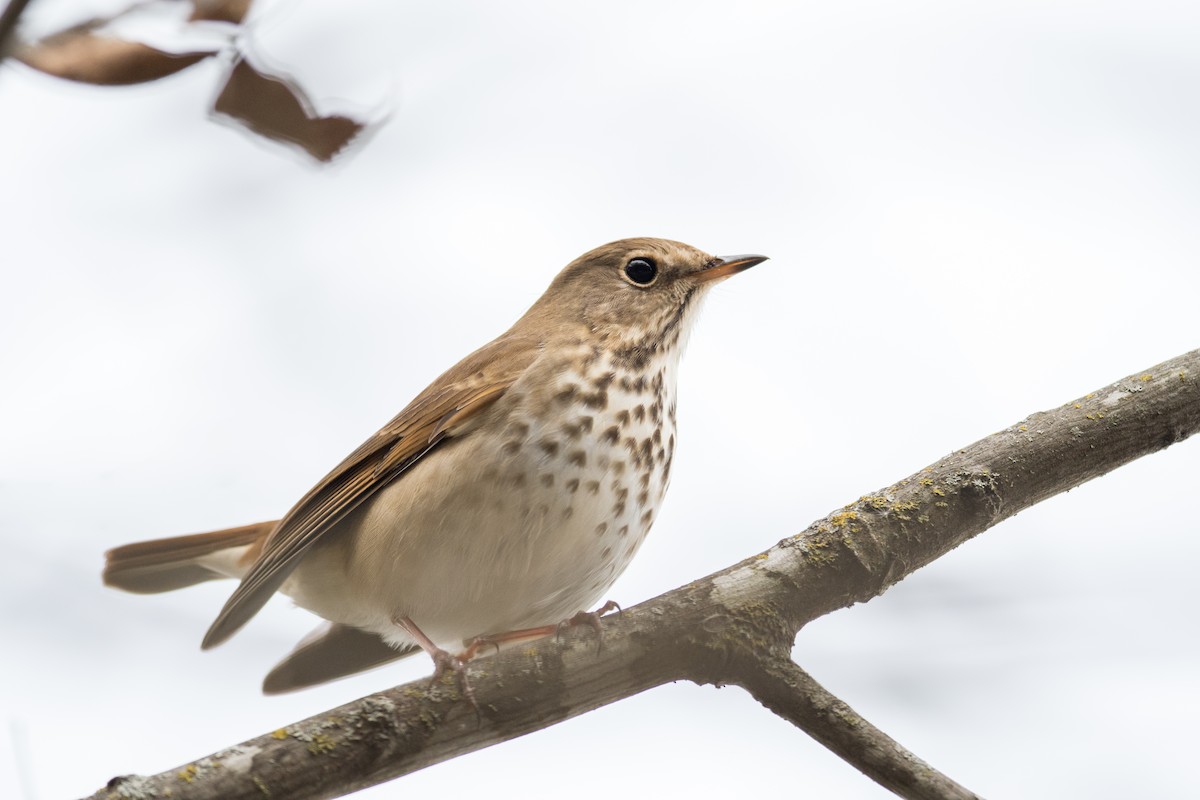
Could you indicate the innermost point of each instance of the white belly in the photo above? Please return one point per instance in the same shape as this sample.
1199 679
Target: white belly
493 533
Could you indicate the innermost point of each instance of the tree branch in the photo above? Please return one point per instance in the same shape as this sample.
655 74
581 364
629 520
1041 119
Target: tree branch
794 695
723 628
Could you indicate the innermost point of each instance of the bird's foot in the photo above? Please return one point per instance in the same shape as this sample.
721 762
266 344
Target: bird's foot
592 620
444 662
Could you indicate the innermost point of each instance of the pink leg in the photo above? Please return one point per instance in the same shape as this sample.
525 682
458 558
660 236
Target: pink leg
589 618
442 661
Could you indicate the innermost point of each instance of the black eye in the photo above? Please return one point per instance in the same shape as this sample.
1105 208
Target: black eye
641 271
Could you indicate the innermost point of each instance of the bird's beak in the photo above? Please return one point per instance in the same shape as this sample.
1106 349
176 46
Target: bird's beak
724 266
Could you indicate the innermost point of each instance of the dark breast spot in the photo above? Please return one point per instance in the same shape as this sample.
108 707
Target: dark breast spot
572 485
578 458
611 435
597 400
581 425
549 447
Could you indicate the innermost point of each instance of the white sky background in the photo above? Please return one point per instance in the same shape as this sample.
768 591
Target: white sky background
974 212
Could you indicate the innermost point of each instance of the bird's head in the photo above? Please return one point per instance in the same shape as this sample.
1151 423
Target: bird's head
637 294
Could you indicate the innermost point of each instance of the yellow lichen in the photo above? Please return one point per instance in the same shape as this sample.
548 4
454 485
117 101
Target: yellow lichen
1146 378
843 519
321 743
939 492
926 481
188 773
1022 427
279 734
816 552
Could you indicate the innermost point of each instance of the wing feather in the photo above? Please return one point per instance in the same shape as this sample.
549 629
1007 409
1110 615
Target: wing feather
442 411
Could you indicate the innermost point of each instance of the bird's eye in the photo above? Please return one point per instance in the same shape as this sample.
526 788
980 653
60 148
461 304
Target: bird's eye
641 271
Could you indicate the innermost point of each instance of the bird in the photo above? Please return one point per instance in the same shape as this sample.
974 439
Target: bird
507 497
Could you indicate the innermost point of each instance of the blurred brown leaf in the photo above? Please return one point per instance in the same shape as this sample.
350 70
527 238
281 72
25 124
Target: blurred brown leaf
276 108
78 54
8 23
269 106
220 10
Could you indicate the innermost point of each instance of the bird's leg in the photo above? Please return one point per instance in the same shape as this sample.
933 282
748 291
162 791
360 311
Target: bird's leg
443 661
589 618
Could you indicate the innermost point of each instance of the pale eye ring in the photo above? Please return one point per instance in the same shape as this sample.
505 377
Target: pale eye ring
641 271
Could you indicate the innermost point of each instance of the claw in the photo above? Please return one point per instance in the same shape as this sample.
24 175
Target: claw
592 620
444 662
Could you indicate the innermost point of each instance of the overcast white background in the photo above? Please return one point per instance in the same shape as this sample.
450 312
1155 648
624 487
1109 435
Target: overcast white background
974 211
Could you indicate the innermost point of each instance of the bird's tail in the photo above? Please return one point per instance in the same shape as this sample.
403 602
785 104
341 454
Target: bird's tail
161 565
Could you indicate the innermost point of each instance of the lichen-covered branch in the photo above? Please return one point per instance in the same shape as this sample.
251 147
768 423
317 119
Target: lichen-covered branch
733 627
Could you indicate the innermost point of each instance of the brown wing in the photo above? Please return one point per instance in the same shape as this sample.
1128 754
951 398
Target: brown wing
440 412
330 652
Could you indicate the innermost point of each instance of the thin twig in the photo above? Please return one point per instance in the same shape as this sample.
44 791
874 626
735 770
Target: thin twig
792 693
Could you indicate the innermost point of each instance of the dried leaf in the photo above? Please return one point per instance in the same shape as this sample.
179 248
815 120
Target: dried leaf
78 54
277 109
220 10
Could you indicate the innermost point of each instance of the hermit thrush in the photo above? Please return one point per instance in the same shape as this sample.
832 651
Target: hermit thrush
509 494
